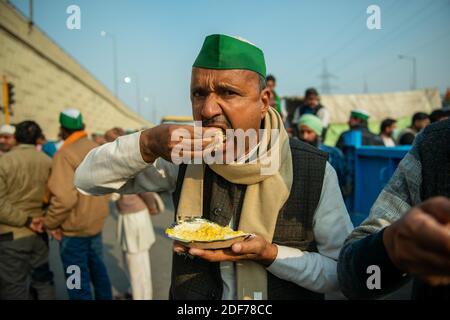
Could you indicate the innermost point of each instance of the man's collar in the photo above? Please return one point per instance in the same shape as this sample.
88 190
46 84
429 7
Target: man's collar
77 135
21 146
24 146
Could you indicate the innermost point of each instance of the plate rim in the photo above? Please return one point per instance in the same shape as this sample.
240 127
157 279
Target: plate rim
246 235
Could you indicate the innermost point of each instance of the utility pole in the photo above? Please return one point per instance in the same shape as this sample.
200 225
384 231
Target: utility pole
414 75
154 111
30 18
114 54
326 76
365 85
414 69
128 79
138 95
6 95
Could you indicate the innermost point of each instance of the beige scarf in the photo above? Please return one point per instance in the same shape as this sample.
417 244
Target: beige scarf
267 191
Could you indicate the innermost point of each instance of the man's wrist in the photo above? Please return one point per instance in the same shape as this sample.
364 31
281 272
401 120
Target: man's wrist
388 243
269 255
145 146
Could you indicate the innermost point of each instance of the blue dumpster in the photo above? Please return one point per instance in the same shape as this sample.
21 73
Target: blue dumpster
368 170
374 166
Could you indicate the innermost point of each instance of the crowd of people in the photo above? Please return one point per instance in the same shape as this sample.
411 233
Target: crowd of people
358 121
311 121
304 244
39 200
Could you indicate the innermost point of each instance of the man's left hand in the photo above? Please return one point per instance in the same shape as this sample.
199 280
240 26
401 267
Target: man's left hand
254 248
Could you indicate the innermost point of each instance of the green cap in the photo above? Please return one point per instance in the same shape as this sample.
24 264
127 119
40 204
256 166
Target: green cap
71 119
225 52
312 122
360 114
7 129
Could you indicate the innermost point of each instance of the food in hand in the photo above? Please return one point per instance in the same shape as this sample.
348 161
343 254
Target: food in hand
202 230
219 139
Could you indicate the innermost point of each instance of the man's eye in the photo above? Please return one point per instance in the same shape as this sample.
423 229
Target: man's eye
230 92
197 94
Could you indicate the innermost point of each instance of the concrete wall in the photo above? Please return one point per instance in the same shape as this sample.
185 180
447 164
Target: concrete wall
47 80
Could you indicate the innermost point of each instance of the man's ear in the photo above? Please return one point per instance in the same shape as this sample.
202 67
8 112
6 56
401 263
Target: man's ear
265 99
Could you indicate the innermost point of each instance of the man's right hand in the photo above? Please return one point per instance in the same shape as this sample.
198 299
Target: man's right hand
37 225
419 243
158 142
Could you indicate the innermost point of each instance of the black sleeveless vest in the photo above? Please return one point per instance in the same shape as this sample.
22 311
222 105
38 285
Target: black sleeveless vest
194 278
434 152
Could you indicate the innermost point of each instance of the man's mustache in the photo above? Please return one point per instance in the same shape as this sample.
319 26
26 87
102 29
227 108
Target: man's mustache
222 120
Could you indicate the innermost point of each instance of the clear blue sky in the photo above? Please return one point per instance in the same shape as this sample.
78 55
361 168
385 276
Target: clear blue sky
159 40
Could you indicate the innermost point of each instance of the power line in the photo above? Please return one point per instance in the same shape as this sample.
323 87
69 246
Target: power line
385 64
358 35
396 33
347 25
392 6
382 66
366 49
443 36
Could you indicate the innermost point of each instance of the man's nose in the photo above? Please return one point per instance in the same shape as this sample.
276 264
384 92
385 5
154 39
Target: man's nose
211 108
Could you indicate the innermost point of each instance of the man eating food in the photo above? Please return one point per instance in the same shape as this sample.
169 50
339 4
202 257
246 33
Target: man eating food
295 209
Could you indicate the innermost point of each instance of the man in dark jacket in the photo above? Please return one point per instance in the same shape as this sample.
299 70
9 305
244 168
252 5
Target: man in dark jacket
419 121
311 105
407 233
358 122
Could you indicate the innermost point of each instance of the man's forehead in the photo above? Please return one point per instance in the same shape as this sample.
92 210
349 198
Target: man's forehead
201 76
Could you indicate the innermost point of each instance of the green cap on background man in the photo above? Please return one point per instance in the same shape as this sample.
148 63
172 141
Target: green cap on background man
360 114
312 122
224 52
7 129
71 119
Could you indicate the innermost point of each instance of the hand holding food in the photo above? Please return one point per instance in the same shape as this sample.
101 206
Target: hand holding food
209 241
201 233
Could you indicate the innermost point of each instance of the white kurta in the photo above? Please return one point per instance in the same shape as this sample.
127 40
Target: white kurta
135 231
136 236
119 167
388 141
